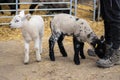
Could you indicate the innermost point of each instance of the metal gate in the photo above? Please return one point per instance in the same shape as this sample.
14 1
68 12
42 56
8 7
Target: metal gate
72 8
93 4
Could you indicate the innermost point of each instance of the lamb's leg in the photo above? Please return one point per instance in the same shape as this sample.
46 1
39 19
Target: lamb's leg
26 58
81 50
76 51
51 48
40 42
37 49
61 47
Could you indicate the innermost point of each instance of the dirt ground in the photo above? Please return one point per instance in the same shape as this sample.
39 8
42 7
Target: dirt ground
12 67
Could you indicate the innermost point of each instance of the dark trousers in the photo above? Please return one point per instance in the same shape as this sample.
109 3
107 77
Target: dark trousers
110 10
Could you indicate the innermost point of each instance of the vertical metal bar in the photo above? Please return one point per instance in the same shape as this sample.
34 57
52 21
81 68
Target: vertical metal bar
70 7
16 6
98 16
75 7
94 9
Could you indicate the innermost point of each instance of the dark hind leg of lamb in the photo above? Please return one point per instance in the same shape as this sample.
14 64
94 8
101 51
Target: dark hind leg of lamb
76 51
51 48
61 46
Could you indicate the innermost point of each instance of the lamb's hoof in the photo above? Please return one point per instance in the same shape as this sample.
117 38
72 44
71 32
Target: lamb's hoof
38 59
26 63
52 58
83 57
77 63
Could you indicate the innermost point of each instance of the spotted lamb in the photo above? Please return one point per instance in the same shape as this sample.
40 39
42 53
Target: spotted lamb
65 24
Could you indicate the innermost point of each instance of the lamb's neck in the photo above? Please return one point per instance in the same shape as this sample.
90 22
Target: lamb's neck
91 37
26 26
26 23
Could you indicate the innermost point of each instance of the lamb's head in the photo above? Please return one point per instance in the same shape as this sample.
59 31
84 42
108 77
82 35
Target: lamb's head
100 47
18 20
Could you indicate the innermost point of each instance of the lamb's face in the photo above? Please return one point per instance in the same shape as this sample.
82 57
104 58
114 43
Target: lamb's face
16 22
100 48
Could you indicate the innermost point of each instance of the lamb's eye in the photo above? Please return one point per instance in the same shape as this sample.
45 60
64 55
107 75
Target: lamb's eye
16 20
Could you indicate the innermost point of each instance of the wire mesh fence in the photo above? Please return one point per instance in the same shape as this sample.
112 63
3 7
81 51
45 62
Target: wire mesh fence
18 5
38 9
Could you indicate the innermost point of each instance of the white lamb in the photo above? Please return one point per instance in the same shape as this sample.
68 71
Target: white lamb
32 28
65 24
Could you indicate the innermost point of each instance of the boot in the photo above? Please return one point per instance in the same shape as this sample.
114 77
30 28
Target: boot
110 60
118 55
108 51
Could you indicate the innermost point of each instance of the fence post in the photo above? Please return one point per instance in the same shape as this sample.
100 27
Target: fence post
16 6
75 7
70 7
99 5
94 11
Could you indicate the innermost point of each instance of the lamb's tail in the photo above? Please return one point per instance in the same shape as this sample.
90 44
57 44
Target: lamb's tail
51 26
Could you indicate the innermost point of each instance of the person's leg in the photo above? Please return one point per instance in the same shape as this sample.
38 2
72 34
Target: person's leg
112 53
112 34
108 38
116 35
107 33
116 41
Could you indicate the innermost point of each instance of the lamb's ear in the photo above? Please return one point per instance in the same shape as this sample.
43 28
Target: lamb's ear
22 13
28 16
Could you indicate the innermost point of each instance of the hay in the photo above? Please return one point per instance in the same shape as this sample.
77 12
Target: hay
15 34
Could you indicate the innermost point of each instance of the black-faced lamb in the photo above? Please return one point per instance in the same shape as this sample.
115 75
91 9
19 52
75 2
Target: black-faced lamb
32 28
65 24
99 48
